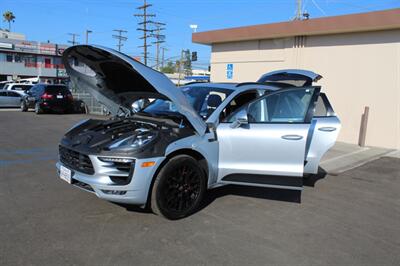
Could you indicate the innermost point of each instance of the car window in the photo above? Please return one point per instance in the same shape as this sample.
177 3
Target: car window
323 107
3 93
281 107
56 88
236 103
288 106
198 98
21 87
13 94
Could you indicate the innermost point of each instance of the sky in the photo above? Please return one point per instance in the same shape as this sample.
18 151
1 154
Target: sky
43 20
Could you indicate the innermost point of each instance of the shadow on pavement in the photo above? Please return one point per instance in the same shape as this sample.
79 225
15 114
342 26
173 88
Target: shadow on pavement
310 180
253 192
285 195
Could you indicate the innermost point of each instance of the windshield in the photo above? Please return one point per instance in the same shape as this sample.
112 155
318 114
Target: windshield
203 99
21 87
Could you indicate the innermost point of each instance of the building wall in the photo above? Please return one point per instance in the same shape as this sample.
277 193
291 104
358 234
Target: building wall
359 69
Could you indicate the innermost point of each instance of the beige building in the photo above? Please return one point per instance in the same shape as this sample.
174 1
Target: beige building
358 56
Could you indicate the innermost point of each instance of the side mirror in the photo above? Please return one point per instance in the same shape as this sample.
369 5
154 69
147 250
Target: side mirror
241 119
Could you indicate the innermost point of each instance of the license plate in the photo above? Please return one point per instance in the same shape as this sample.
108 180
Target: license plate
65 174
31 98
59 97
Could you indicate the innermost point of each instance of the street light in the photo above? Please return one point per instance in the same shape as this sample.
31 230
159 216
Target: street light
87 36
193 27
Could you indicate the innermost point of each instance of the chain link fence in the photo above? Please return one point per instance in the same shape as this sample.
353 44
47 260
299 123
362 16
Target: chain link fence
92 106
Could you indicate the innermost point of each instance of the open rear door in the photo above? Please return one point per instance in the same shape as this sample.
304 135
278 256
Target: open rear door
324 130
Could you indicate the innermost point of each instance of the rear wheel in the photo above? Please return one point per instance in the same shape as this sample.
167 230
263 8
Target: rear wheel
179 188
24 107
38 109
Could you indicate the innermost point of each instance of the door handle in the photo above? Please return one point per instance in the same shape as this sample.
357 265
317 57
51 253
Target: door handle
292 137
327 129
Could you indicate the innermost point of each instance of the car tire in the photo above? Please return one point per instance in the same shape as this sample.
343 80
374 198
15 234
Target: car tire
179 188
24 107
38 109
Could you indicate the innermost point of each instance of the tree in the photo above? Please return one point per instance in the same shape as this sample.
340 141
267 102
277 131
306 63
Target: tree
169 68
187 62
9 17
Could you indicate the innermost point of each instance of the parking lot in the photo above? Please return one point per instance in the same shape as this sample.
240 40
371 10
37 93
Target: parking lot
349 219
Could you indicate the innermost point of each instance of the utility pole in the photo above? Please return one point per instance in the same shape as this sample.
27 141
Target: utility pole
298 10
144 28
73 36
160 38
87 36
162 55
180 68
120 38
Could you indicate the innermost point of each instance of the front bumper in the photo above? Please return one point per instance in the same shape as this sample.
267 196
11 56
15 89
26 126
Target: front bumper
102 184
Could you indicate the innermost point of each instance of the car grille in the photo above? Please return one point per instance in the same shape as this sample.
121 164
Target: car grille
76 160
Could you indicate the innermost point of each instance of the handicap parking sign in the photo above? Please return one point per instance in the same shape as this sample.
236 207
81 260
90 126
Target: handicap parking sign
229 71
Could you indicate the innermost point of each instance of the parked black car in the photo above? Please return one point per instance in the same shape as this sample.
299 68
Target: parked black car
48 98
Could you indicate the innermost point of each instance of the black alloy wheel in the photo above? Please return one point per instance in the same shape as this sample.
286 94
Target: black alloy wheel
179 188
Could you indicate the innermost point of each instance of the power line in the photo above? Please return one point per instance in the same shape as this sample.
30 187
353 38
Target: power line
73 40
120 38
144 28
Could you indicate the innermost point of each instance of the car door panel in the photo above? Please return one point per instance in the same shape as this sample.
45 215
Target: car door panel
273 149
269 150
325 130
3 99
14 98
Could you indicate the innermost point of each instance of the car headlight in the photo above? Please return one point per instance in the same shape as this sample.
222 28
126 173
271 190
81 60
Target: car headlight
135 141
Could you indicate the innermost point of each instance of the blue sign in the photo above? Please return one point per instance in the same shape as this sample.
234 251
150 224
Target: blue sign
229 71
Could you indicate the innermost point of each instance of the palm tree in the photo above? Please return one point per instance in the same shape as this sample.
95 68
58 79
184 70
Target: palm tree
9 17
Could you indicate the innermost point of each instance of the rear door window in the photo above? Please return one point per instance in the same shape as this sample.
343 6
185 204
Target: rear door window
13 94
323 107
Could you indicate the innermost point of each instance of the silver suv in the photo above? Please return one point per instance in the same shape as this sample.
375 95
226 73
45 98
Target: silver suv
165 146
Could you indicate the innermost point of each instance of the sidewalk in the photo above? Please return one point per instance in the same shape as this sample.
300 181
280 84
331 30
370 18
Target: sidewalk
344 156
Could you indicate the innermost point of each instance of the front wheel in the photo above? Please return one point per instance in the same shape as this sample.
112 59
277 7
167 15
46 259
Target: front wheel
179 188
38 109
24 107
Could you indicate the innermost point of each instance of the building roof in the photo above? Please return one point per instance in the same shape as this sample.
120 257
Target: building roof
362 22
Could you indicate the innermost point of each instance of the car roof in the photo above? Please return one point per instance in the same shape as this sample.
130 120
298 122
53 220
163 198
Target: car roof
46 84
3 90
13 84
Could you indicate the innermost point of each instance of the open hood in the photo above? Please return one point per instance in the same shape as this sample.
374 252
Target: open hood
116 80
295 77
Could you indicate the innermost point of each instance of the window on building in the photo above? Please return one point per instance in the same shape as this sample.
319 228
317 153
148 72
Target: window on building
9 57
17 58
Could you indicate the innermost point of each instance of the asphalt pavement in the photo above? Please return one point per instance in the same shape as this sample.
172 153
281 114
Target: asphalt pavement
352 218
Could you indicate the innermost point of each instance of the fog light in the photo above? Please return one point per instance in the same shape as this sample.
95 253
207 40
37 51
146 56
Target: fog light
116 160
113 192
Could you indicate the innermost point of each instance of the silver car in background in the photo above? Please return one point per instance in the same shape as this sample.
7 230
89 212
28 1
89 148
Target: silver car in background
178 142
10 99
